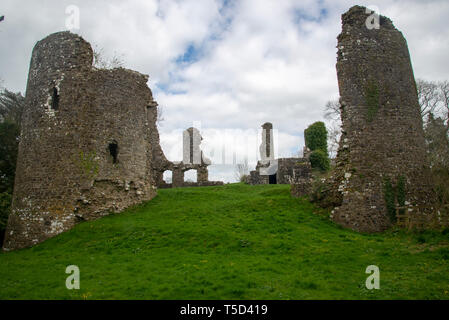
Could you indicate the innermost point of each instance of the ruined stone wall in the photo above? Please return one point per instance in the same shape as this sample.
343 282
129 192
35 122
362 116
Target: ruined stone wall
299 176
159 162
86 142
283 168
193 159
382 134
288 169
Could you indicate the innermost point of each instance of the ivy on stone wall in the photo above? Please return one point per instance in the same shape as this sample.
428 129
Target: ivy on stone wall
400 192
394 195
389 195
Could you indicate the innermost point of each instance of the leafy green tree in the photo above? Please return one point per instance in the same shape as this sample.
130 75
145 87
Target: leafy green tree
9 136
315 137
5 205
437 139
11 109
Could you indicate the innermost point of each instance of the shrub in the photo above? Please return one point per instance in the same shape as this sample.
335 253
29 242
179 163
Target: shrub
440 177
244 178
9 133
319 160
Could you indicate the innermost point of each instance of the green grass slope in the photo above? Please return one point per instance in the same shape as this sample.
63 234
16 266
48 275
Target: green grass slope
229 242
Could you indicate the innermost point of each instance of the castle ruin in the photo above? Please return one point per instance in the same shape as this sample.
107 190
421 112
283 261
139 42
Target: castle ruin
382 134
193 159
88 144
277 171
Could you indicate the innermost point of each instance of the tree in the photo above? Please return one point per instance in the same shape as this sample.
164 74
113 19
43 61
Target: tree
11 110
9 136
433 98
444 98
242 171
428 96
315 137
319 160
434 103
9 132
11 107
332 110
332 113
437 141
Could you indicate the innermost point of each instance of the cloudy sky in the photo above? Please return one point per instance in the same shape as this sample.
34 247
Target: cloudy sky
227 66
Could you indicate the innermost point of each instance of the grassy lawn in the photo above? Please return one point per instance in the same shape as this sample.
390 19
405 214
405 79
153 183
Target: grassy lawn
229 242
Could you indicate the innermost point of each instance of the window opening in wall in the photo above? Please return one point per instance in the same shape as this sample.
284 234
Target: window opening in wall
113 150
191 176
55 99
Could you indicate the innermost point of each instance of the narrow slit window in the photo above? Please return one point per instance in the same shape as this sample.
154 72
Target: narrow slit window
113 150
55 99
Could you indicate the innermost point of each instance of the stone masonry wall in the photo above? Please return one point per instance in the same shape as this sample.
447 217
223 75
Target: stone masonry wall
382 135
193 159
86 143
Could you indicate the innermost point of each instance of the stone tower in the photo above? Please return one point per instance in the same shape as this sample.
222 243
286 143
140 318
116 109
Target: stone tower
382 134
86 143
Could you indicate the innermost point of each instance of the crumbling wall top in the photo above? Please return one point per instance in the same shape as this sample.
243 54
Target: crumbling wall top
61 51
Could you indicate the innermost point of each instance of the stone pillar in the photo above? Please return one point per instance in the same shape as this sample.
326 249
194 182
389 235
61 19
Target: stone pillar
267 147
202 175
177 177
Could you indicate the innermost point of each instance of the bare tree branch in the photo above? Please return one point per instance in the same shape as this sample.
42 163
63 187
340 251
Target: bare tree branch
11 106
332 110
242 171
102 62
332 113
428 97
444 97
333 137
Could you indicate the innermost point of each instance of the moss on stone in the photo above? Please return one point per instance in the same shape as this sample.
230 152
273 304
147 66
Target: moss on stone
372 100
88 163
